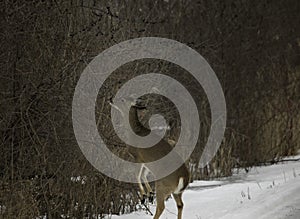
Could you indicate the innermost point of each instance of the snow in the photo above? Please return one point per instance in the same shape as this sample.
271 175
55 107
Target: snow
263 192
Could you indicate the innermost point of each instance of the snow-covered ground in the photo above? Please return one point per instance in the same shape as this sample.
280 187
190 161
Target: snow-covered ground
264 192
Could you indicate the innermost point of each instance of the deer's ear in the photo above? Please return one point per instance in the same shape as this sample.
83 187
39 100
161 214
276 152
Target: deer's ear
117 108
171 142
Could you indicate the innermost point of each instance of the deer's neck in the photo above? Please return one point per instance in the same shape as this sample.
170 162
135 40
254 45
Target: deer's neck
135 123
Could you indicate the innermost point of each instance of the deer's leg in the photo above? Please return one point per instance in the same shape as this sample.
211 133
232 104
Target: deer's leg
149 189
142 191
162 192
147 186
160 204
179 203
150 193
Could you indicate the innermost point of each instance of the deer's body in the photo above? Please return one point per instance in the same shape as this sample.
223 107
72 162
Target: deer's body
174 184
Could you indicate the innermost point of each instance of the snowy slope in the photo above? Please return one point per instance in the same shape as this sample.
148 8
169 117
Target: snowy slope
264 192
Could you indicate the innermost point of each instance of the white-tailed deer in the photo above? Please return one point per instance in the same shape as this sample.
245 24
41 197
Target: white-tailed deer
175 182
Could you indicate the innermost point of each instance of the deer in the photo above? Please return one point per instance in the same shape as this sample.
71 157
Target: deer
173 184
